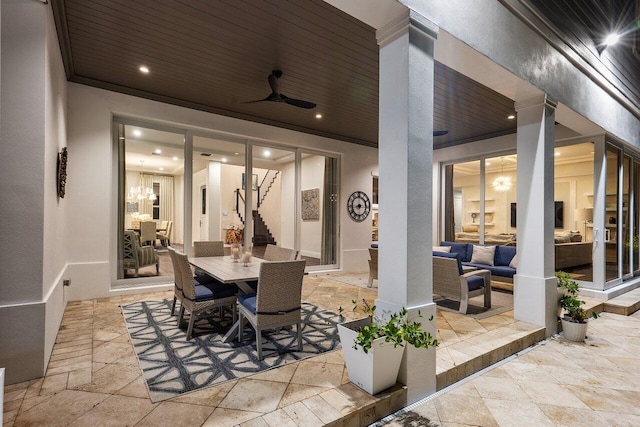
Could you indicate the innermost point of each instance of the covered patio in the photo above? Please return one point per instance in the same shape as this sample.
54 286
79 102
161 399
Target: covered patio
94 365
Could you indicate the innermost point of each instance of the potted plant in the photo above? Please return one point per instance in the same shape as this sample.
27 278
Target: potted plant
574 321
373 346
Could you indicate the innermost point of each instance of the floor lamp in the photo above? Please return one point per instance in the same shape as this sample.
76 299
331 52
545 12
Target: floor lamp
585 216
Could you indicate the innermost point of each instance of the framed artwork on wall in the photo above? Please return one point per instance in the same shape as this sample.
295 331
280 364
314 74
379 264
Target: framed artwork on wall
311 204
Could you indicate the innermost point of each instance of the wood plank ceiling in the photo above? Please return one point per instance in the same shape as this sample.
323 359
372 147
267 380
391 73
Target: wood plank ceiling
215 55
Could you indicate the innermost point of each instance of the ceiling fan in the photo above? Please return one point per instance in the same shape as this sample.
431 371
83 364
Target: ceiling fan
440 132
276 96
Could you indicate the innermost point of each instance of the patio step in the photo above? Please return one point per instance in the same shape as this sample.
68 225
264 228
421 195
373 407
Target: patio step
492 347
624 304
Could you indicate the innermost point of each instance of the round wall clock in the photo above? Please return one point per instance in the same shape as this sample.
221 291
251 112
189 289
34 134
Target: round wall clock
358 206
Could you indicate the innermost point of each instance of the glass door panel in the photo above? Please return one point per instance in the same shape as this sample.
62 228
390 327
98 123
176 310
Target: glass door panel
500 200
625 216
612 238
463 203
151 172
217 194
636 217
319 210
273 192
573 195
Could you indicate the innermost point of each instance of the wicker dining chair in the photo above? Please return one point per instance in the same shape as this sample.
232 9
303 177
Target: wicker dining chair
373 265
177 288
199 300
208 248
277 302
276 253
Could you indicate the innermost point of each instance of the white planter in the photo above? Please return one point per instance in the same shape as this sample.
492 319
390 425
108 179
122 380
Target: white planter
574 331
374 371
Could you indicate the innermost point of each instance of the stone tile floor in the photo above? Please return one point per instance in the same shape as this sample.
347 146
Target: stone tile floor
557 383
93 377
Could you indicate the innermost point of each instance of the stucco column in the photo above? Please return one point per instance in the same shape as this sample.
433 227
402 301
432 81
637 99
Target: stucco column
535 295
405 165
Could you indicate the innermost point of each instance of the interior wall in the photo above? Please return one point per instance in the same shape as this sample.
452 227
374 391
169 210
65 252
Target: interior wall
92 214
312 177
288 186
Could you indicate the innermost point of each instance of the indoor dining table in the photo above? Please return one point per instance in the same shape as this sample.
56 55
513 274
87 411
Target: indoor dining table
224 269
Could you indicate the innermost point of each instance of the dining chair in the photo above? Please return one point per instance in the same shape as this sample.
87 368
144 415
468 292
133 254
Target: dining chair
148 232
208 248
177 288
199 300
165 235
277 253
277 302
373 265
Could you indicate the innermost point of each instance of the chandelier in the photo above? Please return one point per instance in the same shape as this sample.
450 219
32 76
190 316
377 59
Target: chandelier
502 183
141 192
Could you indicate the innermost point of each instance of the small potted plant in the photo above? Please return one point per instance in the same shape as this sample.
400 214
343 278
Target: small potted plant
574 321
373 346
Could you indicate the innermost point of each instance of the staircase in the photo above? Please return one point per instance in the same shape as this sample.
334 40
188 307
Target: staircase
261 234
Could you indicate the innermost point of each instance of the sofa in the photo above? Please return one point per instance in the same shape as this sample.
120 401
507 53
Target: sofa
570 250
501 259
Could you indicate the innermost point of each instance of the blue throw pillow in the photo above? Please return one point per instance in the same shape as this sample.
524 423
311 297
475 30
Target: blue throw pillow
461 248
504 255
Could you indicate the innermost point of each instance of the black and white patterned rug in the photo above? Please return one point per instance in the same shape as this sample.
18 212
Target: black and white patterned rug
171 365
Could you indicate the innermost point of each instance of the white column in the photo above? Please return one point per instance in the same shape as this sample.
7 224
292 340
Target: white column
214 190
405 164
535 295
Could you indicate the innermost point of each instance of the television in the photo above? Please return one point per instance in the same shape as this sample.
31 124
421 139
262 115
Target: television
559 214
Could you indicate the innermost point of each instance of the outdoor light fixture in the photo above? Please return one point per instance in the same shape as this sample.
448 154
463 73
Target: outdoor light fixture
502 183
611 39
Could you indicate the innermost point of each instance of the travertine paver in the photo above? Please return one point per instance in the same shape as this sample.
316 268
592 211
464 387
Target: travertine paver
558 383
93 366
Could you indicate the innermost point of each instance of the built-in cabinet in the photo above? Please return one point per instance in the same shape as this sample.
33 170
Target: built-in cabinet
473 212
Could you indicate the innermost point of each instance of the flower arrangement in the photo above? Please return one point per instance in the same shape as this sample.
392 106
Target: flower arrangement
235 233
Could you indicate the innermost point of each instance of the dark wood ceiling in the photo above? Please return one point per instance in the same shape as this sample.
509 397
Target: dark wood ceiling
215 55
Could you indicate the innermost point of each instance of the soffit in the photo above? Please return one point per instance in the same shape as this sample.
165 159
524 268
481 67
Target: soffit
215 55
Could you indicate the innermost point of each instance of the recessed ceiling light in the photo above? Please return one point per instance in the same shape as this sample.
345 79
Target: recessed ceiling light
136 132
318 116
266 153
611 39
223 160
144 69
511 117
487 163
158 151
236 154
175 157
557 153
161 169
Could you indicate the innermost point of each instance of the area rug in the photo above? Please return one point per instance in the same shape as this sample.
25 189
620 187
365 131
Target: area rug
171 365
501 302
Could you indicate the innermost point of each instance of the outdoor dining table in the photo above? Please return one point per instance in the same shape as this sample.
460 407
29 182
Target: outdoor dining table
225 270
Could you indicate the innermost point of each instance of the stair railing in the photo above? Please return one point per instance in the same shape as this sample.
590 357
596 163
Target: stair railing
263 195
239 197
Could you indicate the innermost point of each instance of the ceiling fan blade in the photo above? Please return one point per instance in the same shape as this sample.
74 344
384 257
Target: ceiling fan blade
272 97
440 132
298 102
